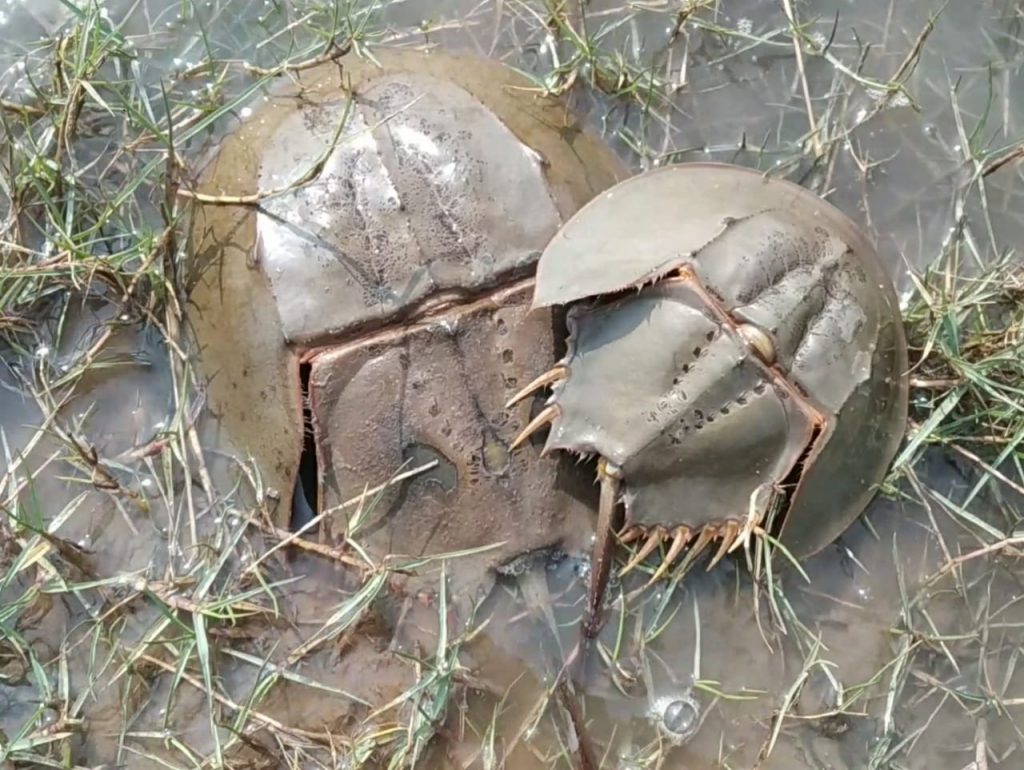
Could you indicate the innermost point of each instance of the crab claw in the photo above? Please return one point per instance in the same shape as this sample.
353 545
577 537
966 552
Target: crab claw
554 374
728 532
653 541
548 414
680 537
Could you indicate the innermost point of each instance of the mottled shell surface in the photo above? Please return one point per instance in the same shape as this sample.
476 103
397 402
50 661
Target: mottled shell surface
729 333
401 274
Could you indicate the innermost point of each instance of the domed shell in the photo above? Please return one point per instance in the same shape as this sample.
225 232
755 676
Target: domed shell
796 272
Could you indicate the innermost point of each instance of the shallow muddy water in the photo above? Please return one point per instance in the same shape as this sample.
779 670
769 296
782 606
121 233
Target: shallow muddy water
889 659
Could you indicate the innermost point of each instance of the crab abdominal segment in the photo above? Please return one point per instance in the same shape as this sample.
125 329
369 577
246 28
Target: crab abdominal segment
729 532
687 406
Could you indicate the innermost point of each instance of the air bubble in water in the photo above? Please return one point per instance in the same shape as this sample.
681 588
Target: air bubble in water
680 716
677 716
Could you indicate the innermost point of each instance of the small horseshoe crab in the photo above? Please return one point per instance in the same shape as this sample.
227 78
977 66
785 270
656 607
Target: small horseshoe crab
735 352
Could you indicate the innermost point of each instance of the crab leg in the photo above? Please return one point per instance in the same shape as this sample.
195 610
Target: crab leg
755 516
610 477
749 528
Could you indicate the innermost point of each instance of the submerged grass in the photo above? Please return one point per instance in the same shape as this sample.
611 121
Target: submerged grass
99 142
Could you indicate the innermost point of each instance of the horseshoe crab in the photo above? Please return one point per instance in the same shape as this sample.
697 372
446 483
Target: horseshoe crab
395 287
735 352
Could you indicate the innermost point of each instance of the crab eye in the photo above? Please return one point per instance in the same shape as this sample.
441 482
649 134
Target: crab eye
758 341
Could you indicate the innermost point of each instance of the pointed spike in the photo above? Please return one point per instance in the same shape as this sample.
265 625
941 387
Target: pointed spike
631 534
741 540
653 541
681 536
748 528
548 414
729 531
602 556
707 534
554 374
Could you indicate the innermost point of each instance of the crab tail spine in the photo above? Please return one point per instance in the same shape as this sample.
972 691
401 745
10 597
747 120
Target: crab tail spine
611 478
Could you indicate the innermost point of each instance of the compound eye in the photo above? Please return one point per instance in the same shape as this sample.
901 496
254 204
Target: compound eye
759 342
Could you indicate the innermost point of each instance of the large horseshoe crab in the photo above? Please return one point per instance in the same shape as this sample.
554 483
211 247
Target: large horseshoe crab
735 349
397 283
